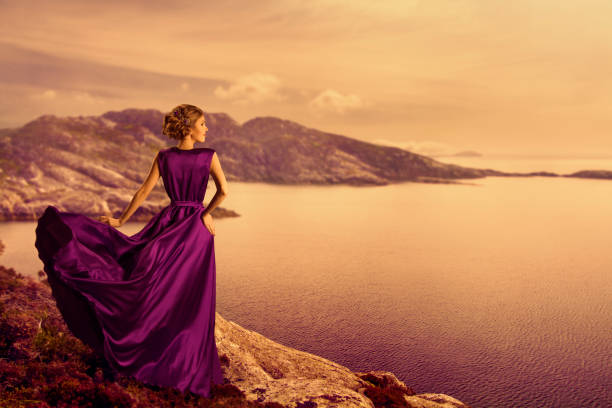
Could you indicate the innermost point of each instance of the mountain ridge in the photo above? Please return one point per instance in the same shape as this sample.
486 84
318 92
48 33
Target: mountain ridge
79 162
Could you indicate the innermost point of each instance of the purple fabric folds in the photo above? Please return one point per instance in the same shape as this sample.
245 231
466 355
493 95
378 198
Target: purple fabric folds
146 301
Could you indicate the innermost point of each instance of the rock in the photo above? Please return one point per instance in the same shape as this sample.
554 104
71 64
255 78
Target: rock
267 371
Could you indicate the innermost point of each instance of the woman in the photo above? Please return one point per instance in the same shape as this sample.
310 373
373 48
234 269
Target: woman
146 301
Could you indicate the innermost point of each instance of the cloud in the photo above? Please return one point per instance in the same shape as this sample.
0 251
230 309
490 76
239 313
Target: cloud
425 147
48 94
252 88
331 100
85 97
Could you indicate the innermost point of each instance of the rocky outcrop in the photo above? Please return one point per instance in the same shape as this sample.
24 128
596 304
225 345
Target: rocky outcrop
267 371
88 165
43 363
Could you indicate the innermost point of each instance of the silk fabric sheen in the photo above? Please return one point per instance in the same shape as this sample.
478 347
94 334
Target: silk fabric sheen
146 301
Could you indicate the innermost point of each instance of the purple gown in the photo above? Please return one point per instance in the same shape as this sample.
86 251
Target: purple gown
146 301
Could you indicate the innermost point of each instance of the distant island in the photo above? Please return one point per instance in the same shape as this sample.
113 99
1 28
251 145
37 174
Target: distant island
94 164
465 153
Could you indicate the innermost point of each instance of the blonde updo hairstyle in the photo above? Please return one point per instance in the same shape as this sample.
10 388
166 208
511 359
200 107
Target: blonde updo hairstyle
180 119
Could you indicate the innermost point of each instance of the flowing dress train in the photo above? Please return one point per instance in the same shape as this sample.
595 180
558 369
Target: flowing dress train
146 301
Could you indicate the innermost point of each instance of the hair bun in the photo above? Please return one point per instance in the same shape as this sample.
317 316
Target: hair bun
177 123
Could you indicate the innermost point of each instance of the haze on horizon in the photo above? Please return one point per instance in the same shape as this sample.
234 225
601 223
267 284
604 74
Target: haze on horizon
435 77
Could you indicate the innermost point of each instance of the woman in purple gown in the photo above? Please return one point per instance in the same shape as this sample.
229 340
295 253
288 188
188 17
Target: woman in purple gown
146 301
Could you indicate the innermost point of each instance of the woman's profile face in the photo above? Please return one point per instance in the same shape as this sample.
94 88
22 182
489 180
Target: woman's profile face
198 131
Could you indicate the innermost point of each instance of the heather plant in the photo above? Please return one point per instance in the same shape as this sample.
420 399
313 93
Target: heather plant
52 344
43 365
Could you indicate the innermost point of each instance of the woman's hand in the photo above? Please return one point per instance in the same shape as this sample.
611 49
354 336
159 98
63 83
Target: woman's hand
207 219
113 222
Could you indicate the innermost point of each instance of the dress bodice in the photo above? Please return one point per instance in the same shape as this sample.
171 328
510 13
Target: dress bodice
185 172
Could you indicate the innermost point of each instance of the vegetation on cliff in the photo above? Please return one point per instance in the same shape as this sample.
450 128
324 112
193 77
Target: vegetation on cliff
43 365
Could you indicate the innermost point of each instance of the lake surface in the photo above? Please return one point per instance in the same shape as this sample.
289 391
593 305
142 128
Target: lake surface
497 293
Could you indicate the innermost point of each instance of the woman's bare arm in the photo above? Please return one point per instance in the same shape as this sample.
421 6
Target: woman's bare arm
219 178
140 195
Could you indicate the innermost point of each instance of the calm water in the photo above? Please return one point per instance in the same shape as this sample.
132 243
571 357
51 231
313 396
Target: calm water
499 293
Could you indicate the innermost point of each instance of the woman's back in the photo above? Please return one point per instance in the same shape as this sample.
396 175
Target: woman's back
185 173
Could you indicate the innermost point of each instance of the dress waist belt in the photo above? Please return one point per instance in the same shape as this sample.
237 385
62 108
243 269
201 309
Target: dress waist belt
187 203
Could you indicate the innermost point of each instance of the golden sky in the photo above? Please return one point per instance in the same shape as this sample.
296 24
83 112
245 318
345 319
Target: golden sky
432 76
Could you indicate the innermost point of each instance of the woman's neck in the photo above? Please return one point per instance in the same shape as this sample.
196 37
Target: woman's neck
183 145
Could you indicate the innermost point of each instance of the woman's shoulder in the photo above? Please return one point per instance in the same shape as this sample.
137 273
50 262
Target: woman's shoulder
208 151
